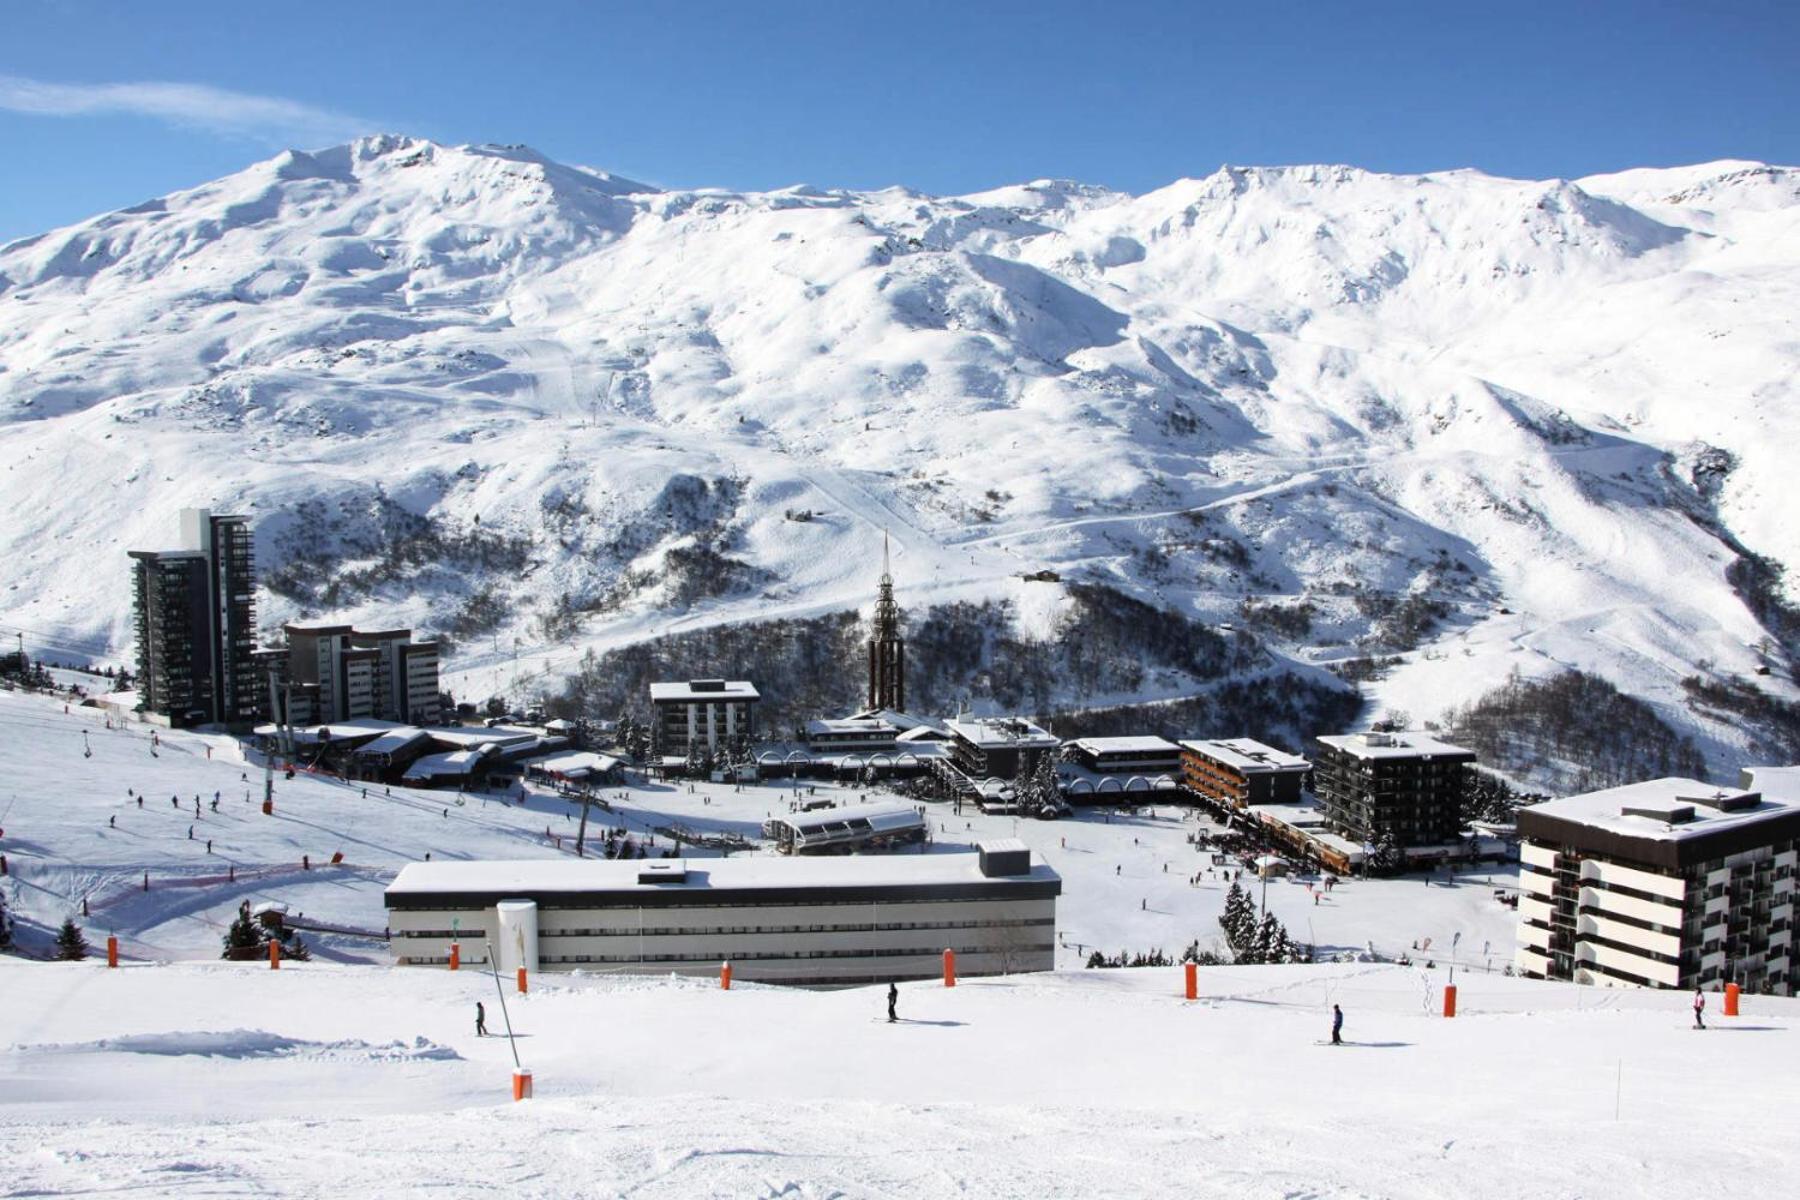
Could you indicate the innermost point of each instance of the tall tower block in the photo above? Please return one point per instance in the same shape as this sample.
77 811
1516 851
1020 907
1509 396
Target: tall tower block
887 650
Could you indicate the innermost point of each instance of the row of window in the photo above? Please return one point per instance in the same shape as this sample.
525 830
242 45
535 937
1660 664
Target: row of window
914 952
718 930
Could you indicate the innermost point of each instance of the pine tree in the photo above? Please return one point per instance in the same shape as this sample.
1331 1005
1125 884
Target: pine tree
245 939
5 924
1239 923
296 949
71 944
1271 941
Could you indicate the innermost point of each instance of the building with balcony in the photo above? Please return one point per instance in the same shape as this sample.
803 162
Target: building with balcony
1242 772
194 610
1404 786
329 673
867 735
1145 756
702 716
832 921
1668 883
997 747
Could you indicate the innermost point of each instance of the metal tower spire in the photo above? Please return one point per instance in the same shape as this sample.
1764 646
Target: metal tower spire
887 650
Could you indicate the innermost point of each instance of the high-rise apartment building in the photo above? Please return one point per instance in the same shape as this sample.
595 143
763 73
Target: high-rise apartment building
1668 883
1407 787
195 616
340 673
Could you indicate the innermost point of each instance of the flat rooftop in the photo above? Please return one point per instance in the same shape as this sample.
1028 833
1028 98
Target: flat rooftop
1001 731
717 690
745 872
870 726
1665 810
1411 743
1249 755
1127 745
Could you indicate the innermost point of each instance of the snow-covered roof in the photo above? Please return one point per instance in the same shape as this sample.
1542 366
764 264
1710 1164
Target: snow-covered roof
1001 731
467 736
355 727
1126 745
394 741
581 762
1406 744
866 726
501 878
704 690
1249 756
1670 809
455 762
922 733
1308 820
904 721
882 818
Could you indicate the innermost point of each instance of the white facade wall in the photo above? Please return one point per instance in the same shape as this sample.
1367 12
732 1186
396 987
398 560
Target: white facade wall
829 942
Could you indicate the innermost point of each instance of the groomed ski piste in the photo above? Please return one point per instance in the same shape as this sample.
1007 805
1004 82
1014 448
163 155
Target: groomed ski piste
332 1080
179 1074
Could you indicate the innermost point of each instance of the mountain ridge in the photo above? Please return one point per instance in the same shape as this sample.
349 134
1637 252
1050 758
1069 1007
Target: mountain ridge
1552 409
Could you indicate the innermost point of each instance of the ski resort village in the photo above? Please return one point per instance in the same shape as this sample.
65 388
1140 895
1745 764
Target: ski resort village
247 886
937 633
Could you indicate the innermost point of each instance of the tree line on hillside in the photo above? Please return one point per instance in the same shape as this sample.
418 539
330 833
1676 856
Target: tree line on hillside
1572 732
963 652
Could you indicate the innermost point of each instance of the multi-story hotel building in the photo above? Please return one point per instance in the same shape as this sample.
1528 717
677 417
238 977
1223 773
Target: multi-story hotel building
997 747
1407 786
339 673
817 921
1126 755
1242 772
1669 883
195 614
708 715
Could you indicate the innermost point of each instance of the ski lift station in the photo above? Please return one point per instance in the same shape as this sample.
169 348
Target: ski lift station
815 921
842 830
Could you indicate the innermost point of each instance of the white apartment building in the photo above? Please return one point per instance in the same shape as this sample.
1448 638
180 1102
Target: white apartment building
703 714
1668 883
814 921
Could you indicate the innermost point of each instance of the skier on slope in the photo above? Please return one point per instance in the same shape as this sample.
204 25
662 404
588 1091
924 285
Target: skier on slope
480 1020
1337 1025
893 999
1699 1007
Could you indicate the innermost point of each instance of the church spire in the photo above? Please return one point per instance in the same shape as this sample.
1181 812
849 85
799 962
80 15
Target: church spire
887 650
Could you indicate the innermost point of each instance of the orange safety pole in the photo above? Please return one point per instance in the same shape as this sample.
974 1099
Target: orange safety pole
1731 999
455 956
725 976
1450 1000
521 1085
1193 981
949 968
522 988
112 951
274 955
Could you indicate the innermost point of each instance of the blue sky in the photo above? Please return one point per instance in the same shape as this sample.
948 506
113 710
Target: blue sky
106 104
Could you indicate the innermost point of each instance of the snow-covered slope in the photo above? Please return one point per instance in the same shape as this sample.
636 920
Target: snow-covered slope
321 1080
439 373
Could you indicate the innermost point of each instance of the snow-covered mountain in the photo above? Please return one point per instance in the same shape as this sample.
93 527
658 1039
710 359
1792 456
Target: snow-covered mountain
1470 423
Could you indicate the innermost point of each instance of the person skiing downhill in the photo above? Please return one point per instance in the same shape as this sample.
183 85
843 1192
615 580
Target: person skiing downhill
893 999
1699 1007
480 1020
1337 1025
